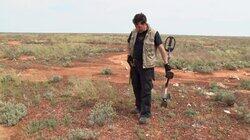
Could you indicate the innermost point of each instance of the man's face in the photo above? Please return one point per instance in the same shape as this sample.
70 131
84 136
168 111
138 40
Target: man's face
140 27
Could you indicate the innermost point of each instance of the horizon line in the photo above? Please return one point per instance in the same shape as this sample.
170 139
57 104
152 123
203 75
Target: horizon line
21 32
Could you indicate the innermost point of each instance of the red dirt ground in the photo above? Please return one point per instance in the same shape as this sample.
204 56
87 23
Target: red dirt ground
117 62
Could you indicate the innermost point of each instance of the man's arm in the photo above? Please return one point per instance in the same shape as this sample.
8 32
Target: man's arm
167 67
159 44
164 54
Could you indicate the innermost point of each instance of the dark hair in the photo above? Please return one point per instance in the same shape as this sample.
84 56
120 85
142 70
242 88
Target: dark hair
140 18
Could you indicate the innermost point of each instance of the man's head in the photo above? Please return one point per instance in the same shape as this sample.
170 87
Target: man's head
140 22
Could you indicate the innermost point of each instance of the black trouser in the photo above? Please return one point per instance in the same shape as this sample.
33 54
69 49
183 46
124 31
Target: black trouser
142 86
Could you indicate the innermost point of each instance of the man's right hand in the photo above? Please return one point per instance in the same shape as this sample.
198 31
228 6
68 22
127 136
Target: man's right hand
168 72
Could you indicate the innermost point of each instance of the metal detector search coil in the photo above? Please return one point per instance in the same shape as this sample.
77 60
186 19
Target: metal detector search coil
169 44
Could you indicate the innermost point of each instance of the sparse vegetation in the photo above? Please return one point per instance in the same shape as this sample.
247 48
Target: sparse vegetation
89 100
227 54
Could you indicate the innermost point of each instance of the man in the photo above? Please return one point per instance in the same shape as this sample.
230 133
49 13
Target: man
143 42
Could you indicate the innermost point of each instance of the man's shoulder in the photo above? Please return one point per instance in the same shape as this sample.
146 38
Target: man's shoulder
152 30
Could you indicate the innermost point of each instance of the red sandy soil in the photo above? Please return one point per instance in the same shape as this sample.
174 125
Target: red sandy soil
124 127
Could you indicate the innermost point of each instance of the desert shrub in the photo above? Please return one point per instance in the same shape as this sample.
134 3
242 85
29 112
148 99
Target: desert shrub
245 84
26 51
102 113
66 61
85 89
38 125
67 120
214 87
203 67
36 99
49 95
178 63
11 53
190 112
55 79
9 78
10 113
106 71
230 66
243 114
82 134
224 96
108 92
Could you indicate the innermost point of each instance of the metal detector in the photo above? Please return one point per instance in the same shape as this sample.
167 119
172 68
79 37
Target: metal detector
169 47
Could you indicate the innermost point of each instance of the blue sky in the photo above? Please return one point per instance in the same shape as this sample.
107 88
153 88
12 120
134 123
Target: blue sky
191 17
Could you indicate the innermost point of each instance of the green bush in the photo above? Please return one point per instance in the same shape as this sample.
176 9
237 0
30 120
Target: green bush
82 134
55 79
108 92
214 87
49 95
225 96
8 78
178 63
190 112
245 84
243 114
102 113
67 120
85 89
66 61
36 126
203 67
231 66
36 99
26 51
10 113
106 71
11 53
